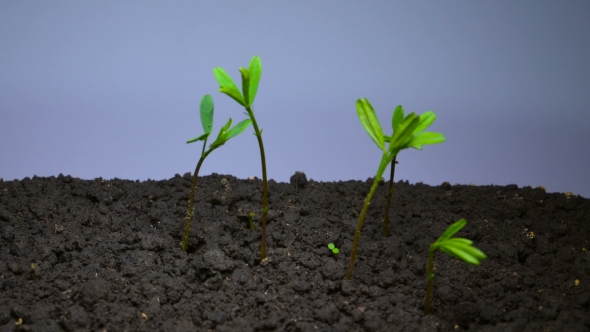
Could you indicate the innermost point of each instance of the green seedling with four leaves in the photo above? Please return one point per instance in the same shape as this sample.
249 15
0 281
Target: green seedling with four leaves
225 134
250 80
460 248
407 133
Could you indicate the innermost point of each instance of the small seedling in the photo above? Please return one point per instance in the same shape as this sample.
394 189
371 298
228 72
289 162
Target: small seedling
460 248
395 123
225 134
334 250
250 222
407 133
250 80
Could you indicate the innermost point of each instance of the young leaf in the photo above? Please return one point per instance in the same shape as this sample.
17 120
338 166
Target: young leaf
463 251
426 119
238 129
404 134
452 230
398 116
245 85
369 120
227 85
426 138
200 138
207 113
255 70
220 140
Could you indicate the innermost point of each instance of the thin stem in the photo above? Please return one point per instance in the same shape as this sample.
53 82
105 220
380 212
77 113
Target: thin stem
386 216
430 277
191 200
258 134
359 226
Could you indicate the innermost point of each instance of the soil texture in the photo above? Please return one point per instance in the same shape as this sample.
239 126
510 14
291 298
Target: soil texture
104 255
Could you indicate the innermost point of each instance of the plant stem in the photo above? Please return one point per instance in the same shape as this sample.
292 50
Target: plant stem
386 216
191 200
430 277
359 226
258 134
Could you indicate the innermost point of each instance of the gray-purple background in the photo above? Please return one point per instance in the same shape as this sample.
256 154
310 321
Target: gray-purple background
112 88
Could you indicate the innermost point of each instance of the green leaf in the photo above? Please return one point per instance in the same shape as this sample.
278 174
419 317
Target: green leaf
245 85
200 138
237 129
404 134
426 119
220 140
398 116
255 70
207 113
463 251
370 122
452 230
426 138
227 85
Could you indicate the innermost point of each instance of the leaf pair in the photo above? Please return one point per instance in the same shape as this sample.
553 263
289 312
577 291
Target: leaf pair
407 131
207 122
460 248
250 80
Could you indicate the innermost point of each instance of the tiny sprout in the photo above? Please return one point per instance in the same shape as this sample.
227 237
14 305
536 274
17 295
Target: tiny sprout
407 133
456 247
225 134
333 248
250 216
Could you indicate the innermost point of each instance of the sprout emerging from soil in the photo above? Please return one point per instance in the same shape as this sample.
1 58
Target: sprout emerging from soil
407 133
460 248
250 80
250 222
334 250
225 134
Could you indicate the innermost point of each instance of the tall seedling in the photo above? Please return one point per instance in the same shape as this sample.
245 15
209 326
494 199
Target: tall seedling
250 80
225 134
398 116
407 133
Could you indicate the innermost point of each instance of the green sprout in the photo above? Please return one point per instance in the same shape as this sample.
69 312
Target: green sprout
334 250
225 134
250 80
250 216
456 247
398 115
407 133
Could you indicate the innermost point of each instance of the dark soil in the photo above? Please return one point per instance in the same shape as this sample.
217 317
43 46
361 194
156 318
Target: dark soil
104 255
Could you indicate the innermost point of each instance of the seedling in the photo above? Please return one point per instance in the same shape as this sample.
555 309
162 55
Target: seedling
225 134
250 216
250 80
334 250
456 247
407 133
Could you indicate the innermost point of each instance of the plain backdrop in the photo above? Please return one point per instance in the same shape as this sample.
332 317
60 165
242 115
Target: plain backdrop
112 88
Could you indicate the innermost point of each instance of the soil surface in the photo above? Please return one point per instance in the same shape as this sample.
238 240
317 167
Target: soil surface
104 255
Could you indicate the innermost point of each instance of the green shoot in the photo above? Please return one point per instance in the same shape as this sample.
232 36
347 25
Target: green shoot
224 135
250 80
334 250
250 222
460 248
407 133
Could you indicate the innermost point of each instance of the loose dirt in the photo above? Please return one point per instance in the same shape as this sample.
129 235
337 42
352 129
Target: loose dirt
104 255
